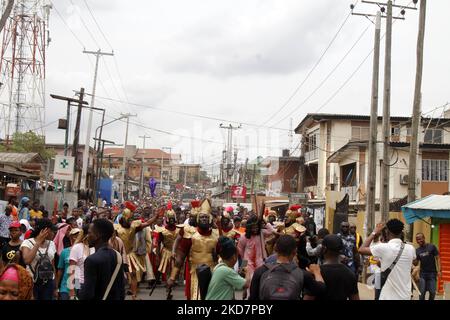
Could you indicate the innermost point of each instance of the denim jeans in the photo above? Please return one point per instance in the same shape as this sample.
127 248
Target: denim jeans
44 291
427 283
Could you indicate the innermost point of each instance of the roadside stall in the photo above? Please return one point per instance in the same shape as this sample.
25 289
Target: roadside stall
436 208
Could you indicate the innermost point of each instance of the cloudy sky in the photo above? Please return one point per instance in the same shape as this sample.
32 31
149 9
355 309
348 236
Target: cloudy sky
179 63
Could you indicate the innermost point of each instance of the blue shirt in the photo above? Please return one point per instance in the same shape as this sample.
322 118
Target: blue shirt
24 213
63 264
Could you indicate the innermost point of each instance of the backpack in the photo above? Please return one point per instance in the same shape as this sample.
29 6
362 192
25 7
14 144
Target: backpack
281 282
44 268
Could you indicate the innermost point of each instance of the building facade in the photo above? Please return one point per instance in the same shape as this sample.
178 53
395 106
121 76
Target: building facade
335 150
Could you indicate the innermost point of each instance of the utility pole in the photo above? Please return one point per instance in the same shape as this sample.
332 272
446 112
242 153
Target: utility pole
97 54
125 166
385 169
230 129
69 101
416 114
253 180
170 165
384 172
76 140
144 137
372 165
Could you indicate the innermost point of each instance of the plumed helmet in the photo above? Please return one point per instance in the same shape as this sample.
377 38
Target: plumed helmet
130 206
295 207
170 213
195 207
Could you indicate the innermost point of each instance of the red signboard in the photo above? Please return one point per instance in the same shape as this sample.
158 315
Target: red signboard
239 192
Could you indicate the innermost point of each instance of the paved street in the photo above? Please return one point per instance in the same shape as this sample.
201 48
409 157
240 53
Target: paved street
178 293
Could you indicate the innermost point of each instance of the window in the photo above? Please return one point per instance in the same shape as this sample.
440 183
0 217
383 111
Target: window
360 133
433 136
313 141
434 170
408 131
395 133
395 130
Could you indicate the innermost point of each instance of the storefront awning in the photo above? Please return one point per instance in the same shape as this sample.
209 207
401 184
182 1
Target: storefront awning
433 206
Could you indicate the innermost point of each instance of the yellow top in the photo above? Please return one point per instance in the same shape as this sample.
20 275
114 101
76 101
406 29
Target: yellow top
35 214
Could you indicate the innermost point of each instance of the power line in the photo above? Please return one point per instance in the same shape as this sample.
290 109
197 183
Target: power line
86 27
322 83
97 24
312 69
188 114
67 26
352 75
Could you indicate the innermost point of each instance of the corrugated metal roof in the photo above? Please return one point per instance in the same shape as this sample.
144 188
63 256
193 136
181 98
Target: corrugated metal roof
10 157
432 202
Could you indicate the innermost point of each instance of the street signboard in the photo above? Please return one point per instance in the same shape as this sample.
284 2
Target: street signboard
238 192
63 168
298 198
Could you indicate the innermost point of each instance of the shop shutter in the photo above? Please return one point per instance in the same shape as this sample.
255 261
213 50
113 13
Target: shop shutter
444 252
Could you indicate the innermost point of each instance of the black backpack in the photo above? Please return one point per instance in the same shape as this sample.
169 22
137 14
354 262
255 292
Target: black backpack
44 268
281 282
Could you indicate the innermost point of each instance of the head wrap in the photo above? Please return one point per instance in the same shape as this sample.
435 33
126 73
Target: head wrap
10 274
24 280
26 223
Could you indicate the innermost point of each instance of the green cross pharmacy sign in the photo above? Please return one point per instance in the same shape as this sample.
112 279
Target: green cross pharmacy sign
63 168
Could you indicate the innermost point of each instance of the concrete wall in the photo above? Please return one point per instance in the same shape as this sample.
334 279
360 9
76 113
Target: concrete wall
70 197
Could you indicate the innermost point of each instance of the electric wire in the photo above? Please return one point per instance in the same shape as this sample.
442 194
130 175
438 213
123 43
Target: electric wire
311 71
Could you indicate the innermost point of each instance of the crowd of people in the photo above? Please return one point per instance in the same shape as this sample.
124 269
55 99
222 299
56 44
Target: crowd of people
107 253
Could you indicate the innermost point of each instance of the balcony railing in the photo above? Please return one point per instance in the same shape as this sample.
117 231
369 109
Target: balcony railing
352 192
312 155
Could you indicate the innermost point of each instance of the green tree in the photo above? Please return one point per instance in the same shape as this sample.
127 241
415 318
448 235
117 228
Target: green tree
30 142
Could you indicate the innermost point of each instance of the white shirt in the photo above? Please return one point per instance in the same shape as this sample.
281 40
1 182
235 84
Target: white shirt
80 223
78 254
398 283
29 243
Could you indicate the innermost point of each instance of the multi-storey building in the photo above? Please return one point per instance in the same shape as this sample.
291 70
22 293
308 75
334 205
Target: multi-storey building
335 151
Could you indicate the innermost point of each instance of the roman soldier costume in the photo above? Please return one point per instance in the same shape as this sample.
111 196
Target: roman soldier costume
167 236
198 247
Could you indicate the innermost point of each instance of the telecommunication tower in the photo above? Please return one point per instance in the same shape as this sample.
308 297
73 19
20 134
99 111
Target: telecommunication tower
25 39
